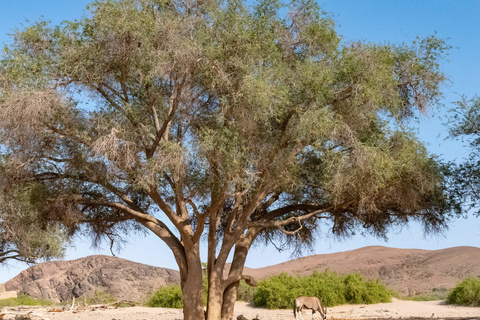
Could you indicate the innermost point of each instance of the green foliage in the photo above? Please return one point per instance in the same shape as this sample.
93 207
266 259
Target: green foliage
466 293
167 297
355 289
245 292
279 292
328 285
24 300
339 108
436 294
100 297
376 292
24 234
464 178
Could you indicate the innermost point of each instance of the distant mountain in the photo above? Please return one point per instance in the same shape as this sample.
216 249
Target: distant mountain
408 271
63 280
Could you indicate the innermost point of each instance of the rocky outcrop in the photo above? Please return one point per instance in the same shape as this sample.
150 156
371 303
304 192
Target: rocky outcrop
63 280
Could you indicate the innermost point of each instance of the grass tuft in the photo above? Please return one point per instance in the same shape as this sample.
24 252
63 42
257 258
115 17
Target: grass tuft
436 294
24 300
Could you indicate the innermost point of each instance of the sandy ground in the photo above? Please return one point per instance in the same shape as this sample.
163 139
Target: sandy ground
395 310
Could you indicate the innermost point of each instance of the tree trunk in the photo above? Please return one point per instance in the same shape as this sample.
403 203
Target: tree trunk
192 302
215 296
221 301
229 298
236 270
192 287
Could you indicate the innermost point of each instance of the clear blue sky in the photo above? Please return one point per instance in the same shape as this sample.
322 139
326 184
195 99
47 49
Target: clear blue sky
369 20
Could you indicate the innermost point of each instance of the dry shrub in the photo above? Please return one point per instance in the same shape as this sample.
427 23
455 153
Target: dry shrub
22 110
122 153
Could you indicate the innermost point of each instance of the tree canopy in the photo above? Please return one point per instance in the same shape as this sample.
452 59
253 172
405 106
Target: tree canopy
219 120
24 236
465 176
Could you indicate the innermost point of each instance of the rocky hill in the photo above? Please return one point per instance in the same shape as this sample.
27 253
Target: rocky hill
408 271
63 280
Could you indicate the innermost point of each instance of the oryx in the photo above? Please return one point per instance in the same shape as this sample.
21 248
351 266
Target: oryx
312 303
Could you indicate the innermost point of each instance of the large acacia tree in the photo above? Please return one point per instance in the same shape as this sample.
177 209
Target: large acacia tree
218 121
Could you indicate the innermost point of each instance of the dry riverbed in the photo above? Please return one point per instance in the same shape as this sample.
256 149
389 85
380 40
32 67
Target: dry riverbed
395 310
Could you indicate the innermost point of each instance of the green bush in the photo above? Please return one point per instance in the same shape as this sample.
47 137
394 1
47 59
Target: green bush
24 300
355 289
279 292
466 293
245 292
167 297
100 297
377 293
328 286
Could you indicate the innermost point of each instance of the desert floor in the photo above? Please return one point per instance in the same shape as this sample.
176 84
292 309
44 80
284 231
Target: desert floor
395 310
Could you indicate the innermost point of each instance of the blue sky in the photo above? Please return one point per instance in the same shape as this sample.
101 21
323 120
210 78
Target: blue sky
367 20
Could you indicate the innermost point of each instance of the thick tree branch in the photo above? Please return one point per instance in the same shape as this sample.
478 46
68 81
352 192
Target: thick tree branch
123 81
232 238
117 107
248 280
286 222
153 224
17 255
156 121
273 198
169 212
65 133
288 209
216 203
173 104
239 257
237 209
112 90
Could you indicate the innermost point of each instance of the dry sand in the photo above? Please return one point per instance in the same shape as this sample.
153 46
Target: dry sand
395 310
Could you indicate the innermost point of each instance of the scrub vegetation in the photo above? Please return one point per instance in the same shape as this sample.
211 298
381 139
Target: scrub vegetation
466 293
279 292
24 300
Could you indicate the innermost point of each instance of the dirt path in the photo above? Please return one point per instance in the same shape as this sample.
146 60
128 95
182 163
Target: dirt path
395 310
